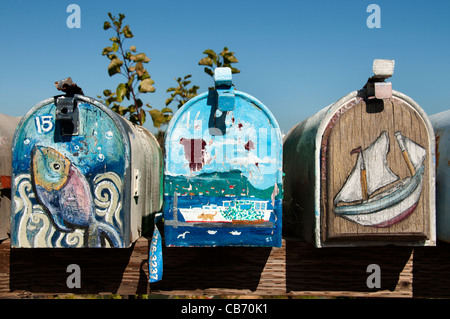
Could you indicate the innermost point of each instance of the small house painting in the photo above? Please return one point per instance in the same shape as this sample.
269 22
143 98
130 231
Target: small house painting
373 155
78 176
222 175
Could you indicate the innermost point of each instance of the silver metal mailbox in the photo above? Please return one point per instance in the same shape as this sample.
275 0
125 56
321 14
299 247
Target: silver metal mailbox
8 125
82 176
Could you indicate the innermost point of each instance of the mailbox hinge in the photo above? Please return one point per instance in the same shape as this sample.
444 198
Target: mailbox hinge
67 115
224 88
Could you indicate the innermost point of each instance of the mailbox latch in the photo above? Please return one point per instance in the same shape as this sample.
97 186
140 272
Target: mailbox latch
377 86
67 115
224 88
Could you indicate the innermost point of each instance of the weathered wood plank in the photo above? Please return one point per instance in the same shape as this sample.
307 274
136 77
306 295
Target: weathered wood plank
431 271
295 269
355 127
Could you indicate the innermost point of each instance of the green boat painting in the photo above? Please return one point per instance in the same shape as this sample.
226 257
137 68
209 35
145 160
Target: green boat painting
236 211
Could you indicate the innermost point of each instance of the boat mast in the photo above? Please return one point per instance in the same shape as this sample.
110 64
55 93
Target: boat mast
405 153
363 175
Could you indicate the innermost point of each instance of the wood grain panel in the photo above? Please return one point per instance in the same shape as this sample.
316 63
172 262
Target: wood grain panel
295 269
359 124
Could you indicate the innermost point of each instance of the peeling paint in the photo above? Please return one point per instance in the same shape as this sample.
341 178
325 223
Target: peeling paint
195 153
231 167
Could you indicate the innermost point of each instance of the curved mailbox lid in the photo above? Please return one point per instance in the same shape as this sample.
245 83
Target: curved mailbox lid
74 190
222 175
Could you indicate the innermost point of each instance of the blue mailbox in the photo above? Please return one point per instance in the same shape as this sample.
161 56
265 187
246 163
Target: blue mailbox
223 171
82 176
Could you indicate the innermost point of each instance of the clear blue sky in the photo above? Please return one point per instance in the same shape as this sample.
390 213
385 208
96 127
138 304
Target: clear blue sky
295 56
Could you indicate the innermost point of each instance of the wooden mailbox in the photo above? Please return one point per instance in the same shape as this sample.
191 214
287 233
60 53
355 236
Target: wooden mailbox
361 171
441 126
8 125
82 176
222 171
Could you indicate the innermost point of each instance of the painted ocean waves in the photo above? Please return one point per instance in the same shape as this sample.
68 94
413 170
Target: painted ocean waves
221 209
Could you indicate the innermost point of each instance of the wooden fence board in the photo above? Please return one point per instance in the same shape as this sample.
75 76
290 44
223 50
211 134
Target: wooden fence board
295 269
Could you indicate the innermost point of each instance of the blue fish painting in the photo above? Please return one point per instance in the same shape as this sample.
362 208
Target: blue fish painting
73 190
65 192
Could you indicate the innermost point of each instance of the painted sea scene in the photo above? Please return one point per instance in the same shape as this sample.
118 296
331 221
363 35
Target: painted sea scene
68 190
223 177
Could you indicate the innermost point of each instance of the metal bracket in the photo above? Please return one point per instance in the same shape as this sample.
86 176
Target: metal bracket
224 88
376 85
67 115
137 180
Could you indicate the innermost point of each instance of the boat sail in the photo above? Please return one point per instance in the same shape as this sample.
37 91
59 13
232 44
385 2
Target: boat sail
357 200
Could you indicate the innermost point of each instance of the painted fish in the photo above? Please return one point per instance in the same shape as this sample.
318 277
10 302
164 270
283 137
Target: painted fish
65 192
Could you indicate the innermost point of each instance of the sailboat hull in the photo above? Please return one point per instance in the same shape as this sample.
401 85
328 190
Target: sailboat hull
388 210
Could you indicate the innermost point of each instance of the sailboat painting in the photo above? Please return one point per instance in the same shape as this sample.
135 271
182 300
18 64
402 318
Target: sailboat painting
361 171
373 195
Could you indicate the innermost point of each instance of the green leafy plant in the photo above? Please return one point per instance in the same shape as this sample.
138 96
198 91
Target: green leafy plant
214 60
182 93
130 64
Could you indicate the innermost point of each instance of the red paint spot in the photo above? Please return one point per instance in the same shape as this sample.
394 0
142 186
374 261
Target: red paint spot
5 181
194 151
240 126
397 219
249 145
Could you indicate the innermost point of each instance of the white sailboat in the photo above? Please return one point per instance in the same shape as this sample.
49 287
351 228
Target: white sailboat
356 200
236 211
